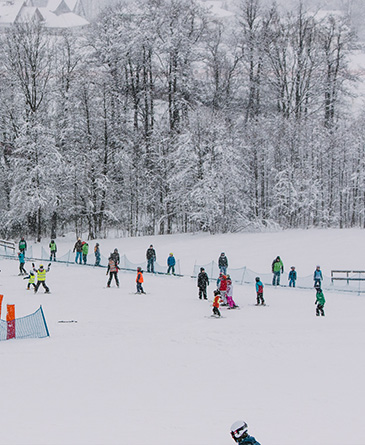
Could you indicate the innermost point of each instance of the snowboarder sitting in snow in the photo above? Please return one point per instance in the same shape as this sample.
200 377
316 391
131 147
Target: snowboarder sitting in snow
292 277
239 433
320 301
203 282
229 294
112 270
31 278
41 277
317 277
139 281
217 296
259 292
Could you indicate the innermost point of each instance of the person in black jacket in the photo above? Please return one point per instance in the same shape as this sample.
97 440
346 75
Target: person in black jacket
223 263
151 258
203 282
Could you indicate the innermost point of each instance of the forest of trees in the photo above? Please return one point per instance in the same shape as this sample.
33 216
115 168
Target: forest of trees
161 118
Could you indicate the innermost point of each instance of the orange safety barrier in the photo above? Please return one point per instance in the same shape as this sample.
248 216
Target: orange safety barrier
10 318
1 303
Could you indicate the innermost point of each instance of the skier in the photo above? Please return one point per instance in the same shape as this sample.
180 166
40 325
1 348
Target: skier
259 292
85 251
115 256
22 245
151 258
41 277
78 248
139 281
223 263
171 264
112 270
239 433
203 282
320 301
229 294
97 254
216 303
277 269
292 277
22 271
31 279
317 277
223 289
53 250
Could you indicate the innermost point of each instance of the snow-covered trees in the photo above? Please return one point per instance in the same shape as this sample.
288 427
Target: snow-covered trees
163 118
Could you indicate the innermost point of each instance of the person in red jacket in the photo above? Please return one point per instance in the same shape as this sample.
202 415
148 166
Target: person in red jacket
139 281
217 296
223 289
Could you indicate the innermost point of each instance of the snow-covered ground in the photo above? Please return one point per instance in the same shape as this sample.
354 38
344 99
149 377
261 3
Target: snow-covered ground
155 369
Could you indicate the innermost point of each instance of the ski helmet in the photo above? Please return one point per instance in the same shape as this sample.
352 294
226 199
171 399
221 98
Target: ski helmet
239 430
202 269
257 278
217 292
139 269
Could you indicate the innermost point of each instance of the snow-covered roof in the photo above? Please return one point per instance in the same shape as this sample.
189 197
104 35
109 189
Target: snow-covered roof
54 13
216 8
9 11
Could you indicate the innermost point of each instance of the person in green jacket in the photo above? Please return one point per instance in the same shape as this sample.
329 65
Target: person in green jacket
320 301
85 251
277 268
53 250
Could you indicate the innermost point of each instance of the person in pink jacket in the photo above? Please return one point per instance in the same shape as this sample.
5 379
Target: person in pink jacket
229 293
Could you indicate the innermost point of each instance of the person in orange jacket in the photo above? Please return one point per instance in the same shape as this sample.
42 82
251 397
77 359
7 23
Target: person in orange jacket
139 281
217 296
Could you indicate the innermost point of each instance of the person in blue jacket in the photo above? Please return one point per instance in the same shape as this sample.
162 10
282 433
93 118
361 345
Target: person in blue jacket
292 277
259 292
171 264
239 433
317 277
21 257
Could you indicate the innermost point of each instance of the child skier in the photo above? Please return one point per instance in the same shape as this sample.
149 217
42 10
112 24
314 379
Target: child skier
229 294
139 281
203 282
239 433
317 277
320 301
85 251
259 292
31 279
217 295
41 277
21 257
292 277
112 270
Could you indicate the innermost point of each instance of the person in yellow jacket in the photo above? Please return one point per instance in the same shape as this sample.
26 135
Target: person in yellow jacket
41 277
139 281
31 280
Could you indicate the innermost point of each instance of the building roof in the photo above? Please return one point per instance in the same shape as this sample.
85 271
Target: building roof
54 13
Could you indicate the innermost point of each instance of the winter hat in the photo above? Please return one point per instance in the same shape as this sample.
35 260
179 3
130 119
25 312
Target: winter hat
202 269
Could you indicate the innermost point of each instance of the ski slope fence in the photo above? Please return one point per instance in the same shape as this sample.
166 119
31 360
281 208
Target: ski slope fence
30 326
243 275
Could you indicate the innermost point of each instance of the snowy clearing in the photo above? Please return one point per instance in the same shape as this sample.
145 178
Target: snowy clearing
153 369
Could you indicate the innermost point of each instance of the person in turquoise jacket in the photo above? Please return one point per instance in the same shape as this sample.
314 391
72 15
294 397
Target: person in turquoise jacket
292 277
239 433
277 268
320 301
